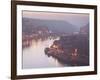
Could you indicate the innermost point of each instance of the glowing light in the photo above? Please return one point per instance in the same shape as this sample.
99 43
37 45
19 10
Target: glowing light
55 46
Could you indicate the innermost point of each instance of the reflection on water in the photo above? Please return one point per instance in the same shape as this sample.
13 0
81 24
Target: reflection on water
34 55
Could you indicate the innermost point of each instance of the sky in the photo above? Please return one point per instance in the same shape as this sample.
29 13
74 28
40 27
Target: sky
77 19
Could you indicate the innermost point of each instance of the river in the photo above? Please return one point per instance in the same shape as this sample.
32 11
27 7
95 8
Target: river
34 55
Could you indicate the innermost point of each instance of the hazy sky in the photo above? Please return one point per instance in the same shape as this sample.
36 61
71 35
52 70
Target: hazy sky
78 20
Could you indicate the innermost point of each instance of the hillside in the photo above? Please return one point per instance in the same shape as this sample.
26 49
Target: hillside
53 25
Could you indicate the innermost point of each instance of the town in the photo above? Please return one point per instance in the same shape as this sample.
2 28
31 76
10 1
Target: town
71 49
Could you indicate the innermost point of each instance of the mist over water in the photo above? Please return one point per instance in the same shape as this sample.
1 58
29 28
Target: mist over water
34 55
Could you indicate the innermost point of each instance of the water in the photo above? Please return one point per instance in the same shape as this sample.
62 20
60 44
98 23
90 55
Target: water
34 55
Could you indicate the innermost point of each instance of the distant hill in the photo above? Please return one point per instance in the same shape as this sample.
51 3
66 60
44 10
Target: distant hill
85 29
53 25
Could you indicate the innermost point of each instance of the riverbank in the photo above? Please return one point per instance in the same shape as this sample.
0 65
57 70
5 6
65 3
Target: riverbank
72 50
